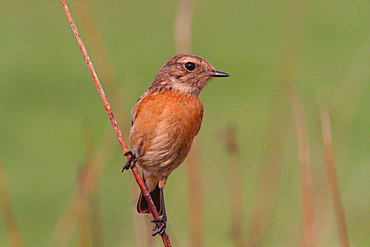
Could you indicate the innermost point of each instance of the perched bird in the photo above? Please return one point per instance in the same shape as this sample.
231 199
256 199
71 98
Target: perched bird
165 120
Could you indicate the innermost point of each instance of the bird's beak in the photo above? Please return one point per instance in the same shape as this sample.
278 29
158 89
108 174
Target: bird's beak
215 73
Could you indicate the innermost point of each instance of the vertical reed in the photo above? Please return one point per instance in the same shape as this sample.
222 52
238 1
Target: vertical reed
14 235
236 187
333 176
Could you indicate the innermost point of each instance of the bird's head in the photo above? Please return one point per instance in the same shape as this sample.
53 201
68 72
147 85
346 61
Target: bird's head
185 73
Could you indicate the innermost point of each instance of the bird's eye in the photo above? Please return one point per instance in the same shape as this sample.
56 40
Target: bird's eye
190 66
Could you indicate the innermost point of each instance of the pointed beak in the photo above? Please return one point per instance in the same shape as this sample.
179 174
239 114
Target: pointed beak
216 73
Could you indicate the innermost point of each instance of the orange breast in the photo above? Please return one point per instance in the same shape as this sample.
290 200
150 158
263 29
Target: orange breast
164 126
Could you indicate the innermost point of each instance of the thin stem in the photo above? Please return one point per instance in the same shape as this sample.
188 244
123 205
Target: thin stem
183 26
115 125
305 164
236 185
7 212
333 176
195 197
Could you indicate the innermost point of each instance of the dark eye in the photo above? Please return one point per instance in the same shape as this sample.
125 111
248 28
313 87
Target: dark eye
190 66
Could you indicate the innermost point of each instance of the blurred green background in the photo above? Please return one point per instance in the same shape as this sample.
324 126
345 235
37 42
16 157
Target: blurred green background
48 103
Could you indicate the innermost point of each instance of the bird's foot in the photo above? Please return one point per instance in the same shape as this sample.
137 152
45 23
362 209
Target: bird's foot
130 162
161 228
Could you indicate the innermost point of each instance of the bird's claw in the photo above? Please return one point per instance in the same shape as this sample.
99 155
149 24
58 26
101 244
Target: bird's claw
130 162
159 229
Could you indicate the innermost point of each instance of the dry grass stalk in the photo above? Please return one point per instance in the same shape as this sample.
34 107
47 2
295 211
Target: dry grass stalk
114 123
195 196
14 235
333 176
236 187
87 181
98 48
90 231
183 26
286 71
193 166
91 173
305 164
96 44
92 198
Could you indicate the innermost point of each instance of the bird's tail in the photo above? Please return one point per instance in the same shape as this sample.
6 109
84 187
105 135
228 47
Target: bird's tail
142 206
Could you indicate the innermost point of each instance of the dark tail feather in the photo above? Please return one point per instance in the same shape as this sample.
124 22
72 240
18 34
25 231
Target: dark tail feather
142 206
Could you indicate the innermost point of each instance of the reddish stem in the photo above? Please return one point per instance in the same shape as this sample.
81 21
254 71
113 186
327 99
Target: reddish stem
115 125
333 176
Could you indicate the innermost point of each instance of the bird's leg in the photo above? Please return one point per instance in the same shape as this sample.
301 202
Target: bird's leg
130 162
163 219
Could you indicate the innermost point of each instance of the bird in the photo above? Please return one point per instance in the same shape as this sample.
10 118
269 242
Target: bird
165 120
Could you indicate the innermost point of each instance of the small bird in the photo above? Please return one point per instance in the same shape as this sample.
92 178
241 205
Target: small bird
165 120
